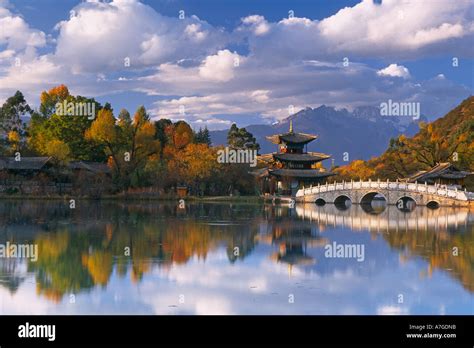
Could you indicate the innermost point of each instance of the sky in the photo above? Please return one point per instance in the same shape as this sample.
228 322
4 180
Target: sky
214 62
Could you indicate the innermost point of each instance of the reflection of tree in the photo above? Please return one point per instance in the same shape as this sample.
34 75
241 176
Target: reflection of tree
437 249
8 276
58 269
82 248
99 265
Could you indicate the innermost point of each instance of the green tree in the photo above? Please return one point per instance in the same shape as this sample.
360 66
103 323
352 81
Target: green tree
161 127
12 113
240 138
49 126
202 137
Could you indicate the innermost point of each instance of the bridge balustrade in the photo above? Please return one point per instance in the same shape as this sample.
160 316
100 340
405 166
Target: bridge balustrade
396 186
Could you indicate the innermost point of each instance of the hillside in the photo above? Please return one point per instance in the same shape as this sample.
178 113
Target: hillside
448 139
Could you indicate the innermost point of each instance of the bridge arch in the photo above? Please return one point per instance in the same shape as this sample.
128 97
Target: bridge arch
433 204
319 201
369 197
406 203
343 202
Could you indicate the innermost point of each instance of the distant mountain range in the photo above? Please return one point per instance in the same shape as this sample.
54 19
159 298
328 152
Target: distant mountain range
362 133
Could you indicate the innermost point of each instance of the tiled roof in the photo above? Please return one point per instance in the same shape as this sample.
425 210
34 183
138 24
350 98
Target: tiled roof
25 163
296 138
444 170
303 157
300 173
94 167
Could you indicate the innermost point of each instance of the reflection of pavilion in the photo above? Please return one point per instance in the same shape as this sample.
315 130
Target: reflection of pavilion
293 237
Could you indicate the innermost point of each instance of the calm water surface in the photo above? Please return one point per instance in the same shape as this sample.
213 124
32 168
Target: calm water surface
154 258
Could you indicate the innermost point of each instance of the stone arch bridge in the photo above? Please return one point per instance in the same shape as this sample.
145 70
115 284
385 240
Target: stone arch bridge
363 192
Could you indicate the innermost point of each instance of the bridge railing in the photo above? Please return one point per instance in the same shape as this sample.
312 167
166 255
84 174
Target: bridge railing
439 190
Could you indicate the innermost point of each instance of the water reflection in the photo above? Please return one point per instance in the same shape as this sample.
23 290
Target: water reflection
116 258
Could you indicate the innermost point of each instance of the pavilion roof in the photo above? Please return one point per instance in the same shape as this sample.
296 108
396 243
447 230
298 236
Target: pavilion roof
300 173
301 157
291 137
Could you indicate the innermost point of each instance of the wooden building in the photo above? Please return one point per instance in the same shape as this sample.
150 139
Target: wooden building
26 168
442 174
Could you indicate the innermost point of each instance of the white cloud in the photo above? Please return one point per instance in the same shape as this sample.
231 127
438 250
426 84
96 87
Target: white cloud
220 67
269 92
17 36
391 29
100 36
257 24
395 71
295 61
394 26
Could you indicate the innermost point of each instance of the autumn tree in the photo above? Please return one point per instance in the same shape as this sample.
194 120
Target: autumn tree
195 166
59 151
105 132
70 129
181 134
141 146
50 98
448 139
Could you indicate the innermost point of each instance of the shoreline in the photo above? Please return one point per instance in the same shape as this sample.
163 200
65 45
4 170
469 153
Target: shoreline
121 197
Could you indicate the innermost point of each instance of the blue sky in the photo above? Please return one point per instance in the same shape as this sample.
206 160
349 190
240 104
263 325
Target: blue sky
240 61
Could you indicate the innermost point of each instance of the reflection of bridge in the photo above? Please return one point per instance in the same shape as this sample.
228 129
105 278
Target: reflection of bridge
390 219
360 192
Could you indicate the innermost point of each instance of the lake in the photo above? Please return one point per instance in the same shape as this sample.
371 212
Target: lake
221 258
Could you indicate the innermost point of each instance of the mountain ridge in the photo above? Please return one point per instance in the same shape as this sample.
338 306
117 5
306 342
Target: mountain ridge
362 132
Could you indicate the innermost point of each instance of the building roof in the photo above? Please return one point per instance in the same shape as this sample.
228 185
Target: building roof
290 137
301 157
25 163
444 170
94 167
260 173
300 173
265 158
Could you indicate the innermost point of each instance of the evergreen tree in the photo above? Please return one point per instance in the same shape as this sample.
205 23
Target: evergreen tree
202 136
240 138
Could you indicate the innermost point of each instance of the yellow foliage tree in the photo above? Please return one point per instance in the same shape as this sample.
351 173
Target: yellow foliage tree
14 140
104 131
58 150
